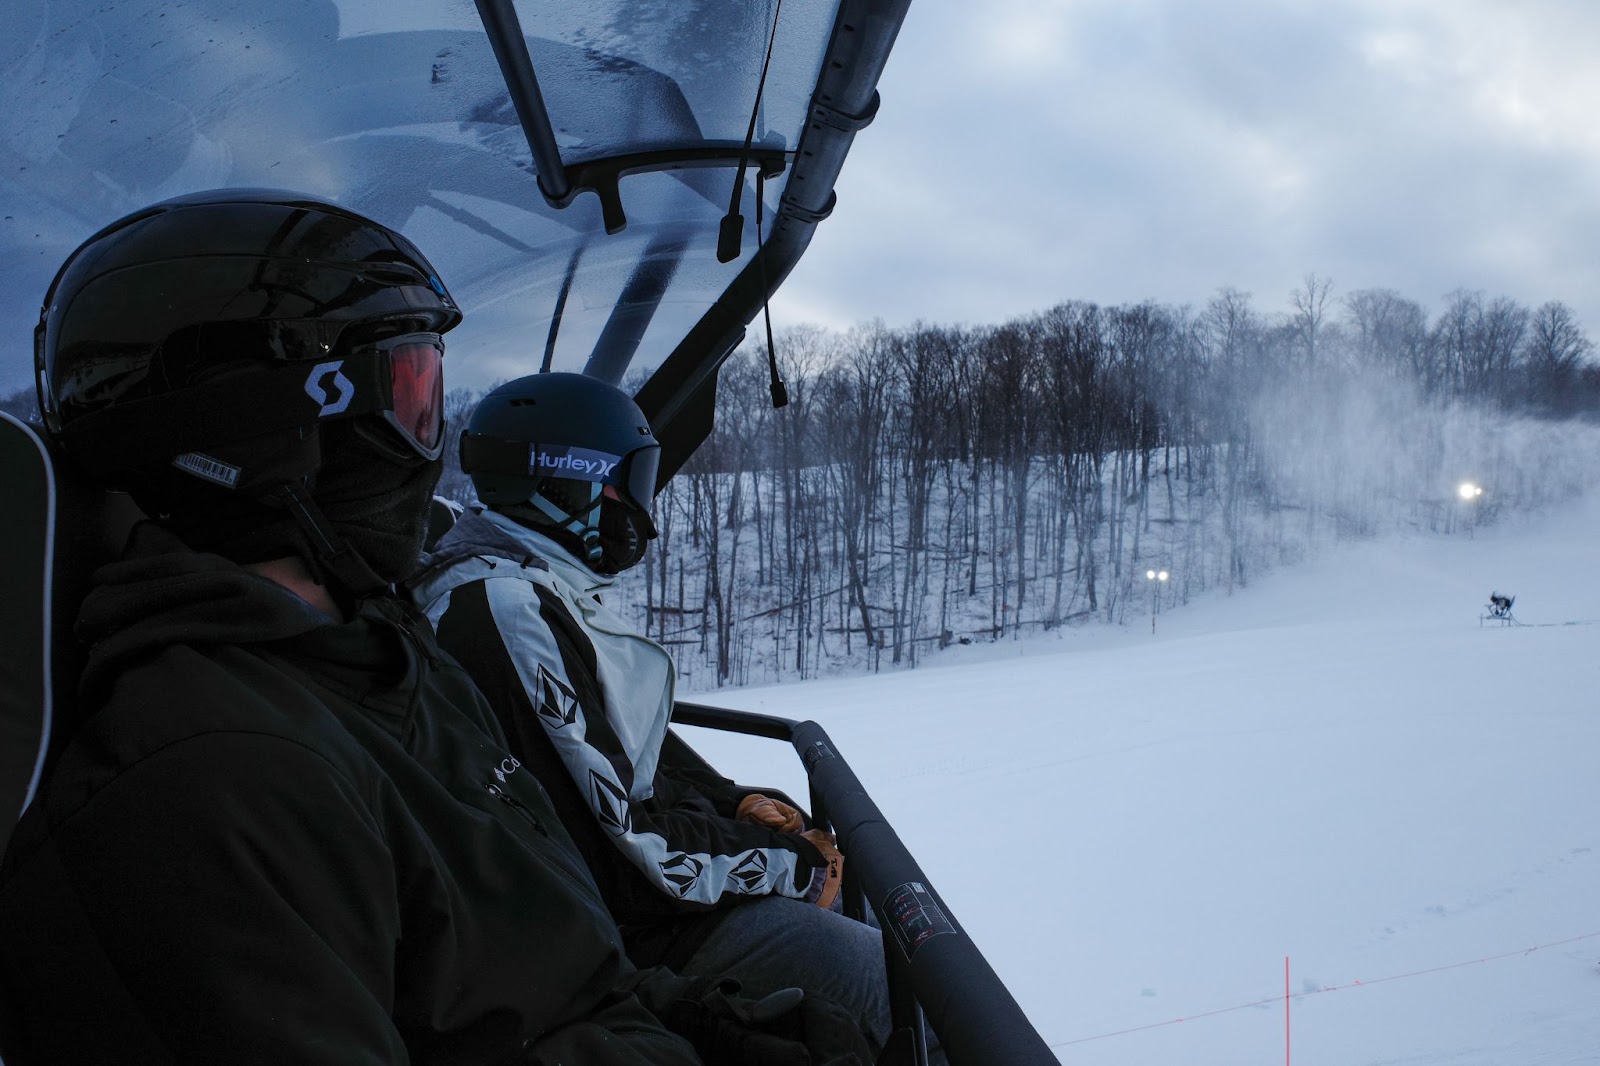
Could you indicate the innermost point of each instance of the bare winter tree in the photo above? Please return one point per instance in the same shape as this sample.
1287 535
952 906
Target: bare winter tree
1076 428
803 353
1007 425
21 405
1556 352
925 430
1240 366
1389 334
1310 309
935 484
853 398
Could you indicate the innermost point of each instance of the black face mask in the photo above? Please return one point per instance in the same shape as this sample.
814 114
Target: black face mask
624 537
375 501
374 498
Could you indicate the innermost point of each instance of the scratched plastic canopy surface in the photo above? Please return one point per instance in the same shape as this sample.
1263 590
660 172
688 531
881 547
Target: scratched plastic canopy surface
397 108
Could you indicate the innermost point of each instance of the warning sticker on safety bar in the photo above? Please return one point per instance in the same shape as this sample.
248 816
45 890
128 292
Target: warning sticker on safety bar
816 753
913 916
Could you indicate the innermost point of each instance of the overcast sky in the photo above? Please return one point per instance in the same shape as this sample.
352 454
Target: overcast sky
1033 151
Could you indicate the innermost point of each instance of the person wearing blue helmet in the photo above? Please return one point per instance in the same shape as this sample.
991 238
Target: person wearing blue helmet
703 875
288 828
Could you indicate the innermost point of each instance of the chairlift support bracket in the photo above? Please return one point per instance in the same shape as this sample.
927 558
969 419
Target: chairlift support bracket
504 29
679 398
603 176
561 184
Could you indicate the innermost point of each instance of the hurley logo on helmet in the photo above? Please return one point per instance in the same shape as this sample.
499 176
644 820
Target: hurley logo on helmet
334 396
583 464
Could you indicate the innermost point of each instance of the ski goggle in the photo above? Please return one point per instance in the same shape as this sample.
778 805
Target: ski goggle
399 379
577 496
631 478
414 406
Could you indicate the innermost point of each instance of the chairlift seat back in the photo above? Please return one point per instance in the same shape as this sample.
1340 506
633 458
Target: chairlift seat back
27 536
55 530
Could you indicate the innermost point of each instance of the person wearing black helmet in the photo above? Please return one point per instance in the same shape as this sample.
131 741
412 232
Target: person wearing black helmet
289 828
703 875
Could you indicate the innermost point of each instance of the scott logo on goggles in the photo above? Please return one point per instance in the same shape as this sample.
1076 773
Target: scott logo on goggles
334 396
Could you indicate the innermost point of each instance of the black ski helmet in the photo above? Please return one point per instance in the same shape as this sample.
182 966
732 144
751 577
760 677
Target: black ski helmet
571 456
153 323
210 336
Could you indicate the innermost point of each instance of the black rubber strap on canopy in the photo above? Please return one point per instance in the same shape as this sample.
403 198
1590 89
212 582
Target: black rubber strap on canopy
732 229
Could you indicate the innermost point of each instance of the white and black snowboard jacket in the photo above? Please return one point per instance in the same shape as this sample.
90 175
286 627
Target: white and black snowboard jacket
586 701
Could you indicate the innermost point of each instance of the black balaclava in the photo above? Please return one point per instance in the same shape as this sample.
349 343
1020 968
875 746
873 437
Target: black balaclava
377 501
624 536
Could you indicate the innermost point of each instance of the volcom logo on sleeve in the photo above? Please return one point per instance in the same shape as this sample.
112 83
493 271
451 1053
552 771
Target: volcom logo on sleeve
334 395
556 703
681 872
610 804
750 876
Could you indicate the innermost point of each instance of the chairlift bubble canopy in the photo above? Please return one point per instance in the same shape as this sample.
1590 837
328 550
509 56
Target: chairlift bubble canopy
566 167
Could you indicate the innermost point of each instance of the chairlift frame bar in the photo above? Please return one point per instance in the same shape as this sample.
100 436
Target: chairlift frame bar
559 183
678 398
510 46
975 1015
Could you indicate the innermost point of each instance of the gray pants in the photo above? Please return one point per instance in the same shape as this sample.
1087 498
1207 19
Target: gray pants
776 942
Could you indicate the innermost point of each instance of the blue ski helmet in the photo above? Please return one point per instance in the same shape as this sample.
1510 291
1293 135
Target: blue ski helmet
569 456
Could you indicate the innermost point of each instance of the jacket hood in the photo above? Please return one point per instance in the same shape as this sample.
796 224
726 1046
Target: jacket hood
162 593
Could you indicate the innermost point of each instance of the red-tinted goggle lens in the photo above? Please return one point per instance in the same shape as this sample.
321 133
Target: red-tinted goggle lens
416 366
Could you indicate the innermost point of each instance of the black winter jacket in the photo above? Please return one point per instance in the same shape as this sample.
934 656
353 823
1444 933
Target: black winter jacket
282 840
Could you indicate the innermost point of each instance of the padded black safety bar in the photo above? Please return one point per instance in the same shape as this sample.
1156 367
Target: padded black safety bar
976 1017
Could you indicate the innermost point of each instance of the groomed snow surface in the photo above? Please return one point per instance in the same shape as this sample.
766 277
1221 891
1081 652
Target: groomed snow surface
1338 765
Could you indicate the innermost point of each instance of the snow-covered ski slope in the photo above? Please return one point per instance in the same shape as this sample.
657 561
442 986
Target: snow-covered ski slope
1338 766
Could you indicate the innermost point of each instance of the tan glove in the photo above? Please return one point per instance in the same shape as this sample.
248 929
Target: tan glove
825 881
774 814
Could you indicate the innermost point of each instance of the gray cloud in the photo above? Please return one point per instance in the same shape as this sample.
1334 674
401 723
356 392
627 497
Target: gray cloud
1031 152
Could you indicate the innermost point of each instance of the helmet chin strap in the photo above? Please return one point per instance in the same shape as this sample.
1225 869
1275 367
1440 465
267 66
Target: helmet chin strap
587 534
334 556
